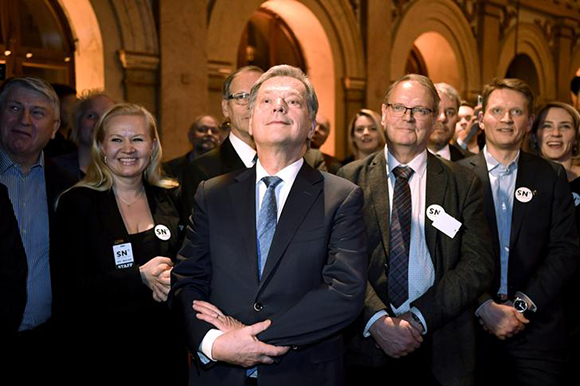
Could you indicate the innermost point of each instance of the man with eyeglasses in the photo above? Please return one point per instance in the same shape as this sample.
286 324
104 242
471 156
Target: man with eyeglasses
447 118
429 252
530 213
204 135
237 151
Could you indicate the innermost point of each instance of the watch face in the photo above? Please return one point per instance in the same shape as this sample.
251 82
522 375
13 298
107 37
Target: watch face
520 305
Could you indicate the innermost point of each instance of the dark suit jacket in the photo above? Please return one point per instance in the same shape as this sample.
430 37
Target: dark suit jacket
313 283
457 153
221 160
543 244
90 224
463 265
13 269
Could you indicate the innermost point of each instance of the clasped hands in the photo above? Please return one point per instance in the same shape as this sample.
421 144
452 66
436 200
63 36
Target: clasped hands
397 336
238 344
155 274
501 320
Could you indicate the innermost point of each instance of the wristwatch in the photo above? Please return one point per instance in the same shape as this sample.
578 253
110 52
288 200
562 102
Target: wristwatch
520 305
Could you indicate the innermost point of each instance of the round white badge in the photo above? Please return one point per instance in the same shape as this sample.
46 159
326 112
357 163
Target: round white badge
433 211
576 197
524 194
162 232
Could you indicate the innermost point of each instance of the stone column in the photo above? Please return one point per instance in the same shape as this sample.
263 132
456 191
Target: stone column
140 78
563 46
184 81
378 51
488 36
354 94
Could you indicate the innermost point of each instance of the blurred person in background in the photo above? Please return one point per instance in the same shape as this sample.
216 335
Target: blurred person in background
365 135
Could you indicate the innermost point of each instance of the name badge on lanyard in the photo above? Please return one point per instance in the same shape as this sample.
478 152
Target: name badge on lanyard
123 255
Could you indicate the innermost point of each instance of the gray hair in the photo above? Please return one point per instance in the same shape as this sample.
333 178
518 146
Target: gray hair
423 81
451 93
292 72
233 75
81 106
34 84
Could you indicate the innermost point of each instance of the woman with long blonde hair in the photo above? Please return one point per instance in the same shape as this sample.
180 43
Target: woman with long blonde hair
118 239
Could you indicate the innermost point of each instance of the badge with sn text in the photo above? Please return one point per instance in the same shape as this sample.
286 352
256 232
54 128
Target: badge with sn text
123 255
442 221
162 232
524 194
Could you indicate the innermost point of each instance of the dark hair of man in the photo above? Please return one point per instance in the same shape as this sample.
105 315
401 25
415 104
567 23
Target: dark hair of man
509 84
232 76
423 81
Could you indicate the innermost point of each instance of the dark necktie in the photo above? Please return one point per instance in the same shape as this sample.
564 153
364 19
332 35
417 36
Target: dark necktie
267 220
400 238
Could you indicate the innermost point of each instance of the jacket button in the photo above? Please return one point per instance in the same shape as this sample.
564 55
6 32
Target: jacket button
258 306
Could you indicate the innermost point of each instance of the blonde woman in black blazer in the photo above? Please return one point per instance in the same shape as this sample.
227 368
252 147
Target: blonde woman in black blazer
117 240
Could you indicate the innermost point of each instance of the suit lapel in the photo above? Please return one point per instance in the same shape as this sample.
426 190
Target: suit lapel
436 187
525 178
306 188
379 188
161 209
243 199
230 160
480 168
111 218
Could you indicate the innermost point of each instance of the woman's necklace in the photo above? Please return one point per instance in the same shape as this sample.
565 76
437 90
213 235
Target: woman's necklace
132 202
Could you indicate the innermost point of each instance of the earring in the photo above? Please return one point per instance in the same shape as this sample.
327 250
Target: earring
105 159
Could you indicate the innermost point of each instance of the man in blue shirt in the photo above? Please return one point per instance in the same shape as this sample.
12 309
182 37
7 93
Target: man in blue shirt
29 117
529 210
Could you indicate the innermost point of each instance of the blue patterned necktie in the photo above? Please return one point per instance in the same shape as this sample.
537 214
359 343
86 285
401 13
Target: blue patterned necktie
267 220
400 237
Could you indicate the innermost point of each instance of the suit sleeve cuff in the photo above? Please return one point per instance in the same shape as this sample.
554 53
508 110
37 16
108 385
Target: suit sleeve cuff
204 351
531 305
478 311
415 311
372 321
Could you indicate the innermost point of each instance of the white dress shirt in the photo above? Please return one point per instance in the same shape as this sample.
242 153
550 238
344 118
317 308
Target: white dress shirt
444 152
245 151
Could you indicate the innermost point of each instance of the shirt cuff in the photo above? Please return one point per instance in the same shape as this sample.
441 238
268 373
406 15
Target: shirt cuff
372 321
415 311
531 305
204 351
478 311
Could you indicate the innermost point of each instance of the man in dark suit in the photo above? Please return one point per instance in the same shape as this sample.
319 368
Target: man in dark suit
447 117
237 151
203 136
530 212
429 250
29 117
12 271
270 297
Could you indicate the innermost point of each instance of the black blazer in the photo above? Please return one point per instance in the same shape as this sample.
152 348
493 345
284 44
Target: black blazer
457 153
13 269
313 283
543 244
221 160
463 265
90 224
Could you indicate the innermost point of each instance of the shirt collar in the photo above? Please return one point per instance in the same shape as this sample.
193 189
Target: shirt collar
288 174
418 164
444 152
492 163
6 162
245 151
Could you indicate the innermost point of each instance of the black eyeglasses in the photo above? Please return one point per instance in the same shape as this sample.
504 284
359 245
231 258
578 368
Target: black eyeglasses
240 98
417 111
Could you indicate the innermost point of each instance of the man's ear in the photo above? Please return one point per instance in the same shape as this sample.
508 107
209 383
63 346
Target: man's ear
55 128
225 111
